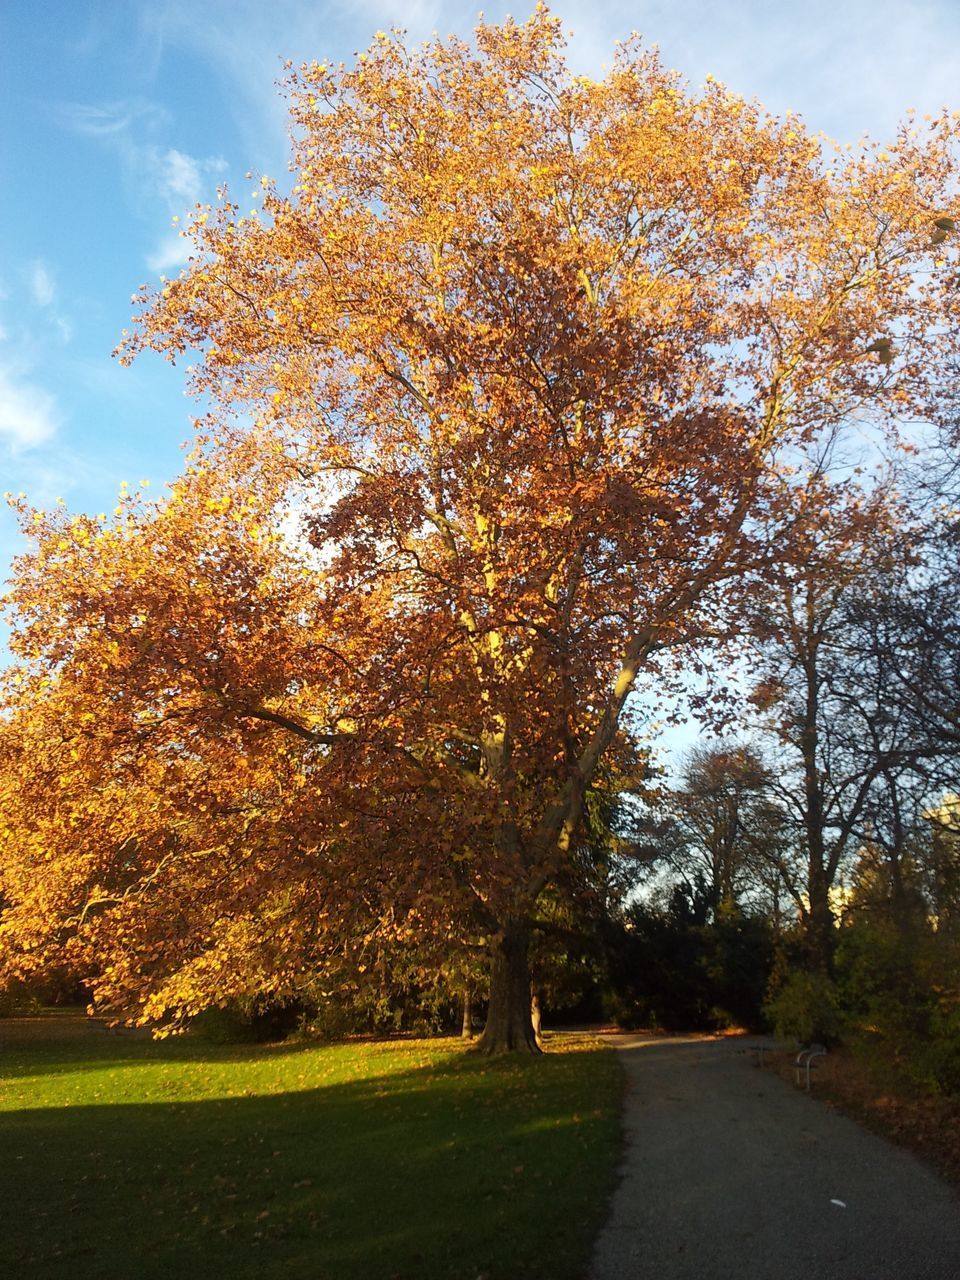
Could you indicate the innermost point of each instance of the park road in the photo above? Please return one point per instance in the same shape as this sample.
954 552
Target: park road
729 1174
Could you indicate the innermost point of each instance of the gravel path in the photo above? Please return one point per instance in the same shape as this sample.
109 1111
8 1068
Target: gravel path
729 1173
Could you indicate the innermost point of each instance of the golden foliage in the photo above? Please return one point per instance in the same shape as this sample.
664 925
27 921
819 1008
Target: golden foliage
504 390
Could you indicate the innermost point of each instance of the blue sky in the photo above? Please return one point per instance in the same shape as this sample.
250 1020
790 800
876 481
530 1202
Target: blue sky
118 115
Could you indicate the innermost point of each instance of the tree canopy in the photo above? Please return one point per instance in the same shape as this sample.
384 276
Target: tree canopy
507 393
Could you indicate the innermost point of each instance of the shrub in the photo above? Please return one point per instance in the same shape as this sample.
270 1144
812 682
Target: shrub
806 1008
885 983
667 970
941 1056
17 1001
252 1021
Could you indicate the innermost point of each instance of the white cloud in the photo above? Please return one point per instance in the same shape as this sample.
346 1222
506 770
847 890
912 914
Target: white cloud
845 67
171 253
182 177
28 415
154 174
180 180
246 43
41 284
57 472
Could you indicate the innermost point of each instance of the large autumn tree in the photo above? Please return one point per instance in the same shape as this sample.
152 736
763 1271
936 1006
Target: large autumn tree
521 357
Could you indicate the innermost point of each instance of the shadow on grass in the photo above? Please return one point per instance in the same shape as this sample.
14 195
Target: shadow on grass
95 1049
458 1169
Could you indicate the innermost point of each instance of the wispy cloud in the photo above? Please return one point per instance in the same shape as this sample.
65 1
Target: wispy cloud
42 284
246 43
154 174
29 415
180 180
182 175
109 120
172 252
846 67
57 472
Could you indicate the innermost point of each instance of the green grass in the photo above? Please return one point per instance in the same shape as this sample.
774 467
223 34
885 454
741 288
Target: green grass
138 1160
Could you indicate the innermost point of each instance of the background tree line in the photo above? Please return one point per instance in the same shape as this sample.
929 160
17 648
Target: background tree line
808 869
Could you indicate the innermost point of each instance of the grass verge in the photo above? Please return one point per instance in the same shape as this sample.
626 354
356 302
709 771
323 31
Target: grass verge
381 1161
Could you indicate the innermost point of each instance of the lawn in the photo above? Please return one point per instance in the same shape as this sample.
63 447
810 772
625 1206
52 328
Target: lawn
132 1158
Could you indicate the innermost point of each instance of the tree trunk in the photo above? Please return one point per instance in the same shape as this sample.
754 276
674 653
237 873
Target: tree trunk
466 1031
821 926
535 1017
509 1026
776 915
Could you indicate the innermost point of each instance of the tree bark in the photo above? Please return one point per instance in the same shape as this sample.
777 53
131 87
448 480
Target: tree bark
509 1026
821 926
535 1017
466 1030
